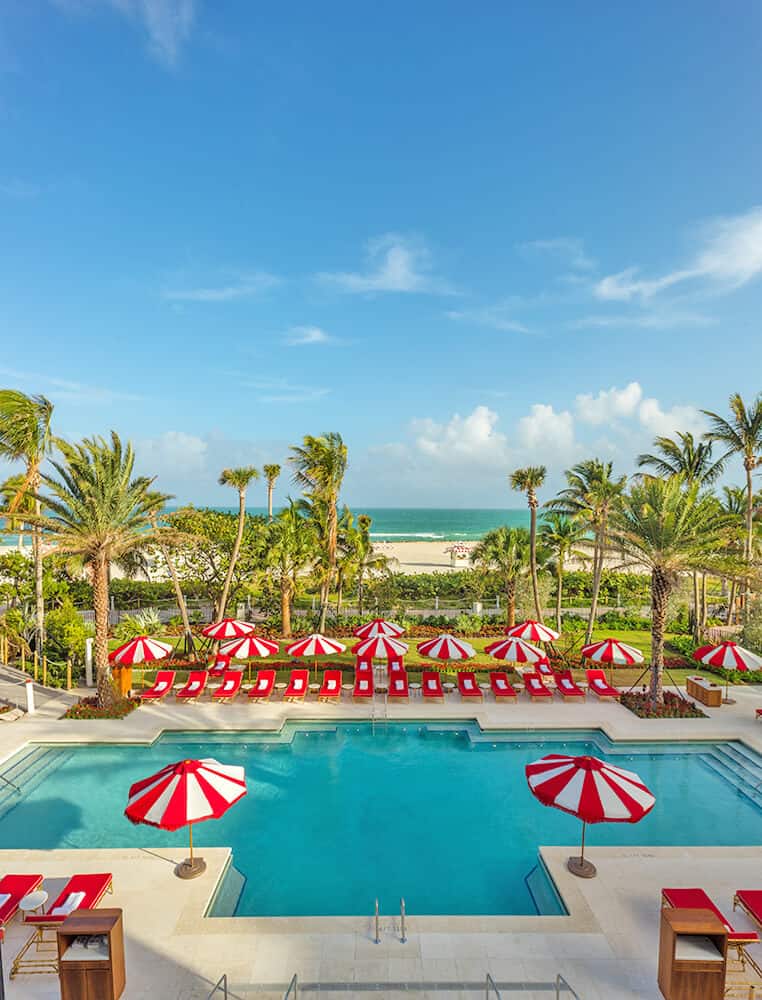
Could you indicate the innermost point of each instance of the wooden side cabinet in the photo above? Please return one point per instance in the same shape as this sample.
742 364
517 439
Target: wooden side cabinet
693 947
91 955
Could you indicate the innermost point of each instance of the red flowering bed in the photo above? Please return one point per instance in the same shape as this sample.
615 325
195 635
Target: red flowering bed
674 706
88 708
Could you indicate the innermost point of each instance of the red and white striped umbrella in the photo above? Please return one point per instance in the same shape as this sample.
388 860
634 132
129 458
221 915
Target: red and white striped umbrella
729 656
227 628
380 647
315 645
185 793
446 647
249 646
590 789
379 626
532 631
140 650
515 651
612 651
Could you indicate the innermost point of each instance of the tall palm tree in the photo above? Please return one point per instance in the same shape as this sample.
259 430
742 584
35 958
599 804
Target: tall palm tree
290 548
164 538
733 503
25 436
239 480
95 509
508 553
672 528
559 535
741 435
529 480
319 464
271 475
14 492
368 560
590 496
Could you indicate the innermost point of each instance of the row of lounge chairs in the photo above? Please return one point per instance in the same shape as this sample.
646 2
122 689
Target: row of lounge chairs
398 688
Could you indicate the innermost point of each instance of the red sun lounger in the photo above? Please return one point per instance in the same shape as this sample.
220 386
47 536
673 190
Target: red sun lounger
263 686
13 888
297 685
194 686
363 688
162 685
566 687
231 685
597 683
544 669
502 688
220 665
398 686
750 901
468 687
432 685
396 665
697 899
534 687
758 713
330 689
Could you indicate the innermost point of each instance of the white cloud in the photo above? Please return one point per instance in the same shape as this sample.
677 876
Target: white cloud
244 286
609 404
729 255
65 390
543 430
168 24
472 439
396 263
171 453
300 336
498 317
662 319
570 249
281 390
668 422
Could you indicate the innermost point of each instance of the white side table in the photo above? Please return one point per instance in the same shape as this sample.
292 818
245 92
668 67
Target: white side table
33 901
415 690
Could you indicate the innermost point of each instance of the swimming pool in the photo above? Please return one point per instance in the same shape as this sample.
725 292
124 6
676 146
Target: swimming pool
338 815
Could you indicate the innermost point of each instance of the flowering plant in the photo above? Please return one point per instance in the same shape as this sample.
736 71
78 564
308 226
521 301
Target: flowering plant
88 708
673 707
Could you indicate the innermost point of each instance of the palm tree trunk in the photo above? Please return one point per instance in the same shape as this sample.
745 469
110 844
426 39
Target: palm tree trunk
660 590
360 592
731 603
339 594
749 543
704 611
39 598
285 610
105 688
190 645
696 611
533 556
234 554
597 573
559 587
270 488
510 602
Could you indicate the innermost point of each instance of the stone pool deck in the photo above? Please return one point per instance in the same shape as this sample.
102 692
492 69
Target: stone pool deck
606 947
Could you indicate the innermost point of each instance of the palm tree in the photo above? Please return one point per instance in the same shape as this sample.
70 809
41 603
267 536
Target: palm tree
368 560
163 538
528 481
672 528
238 479
13 492
25 436
271 475
319 465
97 511
742 435
591 495
290 548
507 552
733 503
559 535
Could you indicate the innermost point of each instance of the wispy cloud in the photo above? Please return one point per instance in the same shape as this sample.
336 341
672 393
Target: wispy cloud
167 24
17 189
59 389
570 249
282 390
729 255
395 263
497 317
666 319
304 336
244 286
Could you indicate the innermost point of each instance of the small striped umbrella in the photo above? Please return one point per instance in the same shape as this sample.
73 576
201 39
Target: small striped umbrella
185 793
379 626
315 645
590 789
380 647
729 656
446 647
227 628
532 631
140 650
515 651
249 647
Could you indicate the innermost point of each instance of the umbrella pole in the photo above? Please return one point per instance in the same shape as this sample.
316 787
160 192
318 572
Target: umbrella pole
579 866
191 867
190 833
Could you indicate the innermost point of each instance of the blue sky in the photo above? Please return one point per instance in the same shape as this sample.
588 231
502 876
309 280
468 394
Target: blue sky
465 237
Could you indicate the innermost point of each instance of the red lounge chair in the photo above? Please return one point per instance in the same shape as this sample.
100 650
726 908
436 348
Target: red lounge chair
330 689
398 686
231 685
162 685
194 686
13 888
750 901
263 686
597 683
697 899
758 713
534 687
468 687
566 687
502 689
81 892
363 685
544 669
395 665
220 666
363 665
297 686
432 685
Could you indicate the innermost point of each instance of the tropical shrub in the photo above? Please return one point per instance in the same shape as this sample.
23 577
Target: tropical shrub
673 706
65 633
88 708
146 622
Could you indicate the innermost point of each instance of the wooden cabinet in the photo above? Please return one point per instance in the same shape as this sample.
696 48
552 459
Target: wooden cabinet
123 679
91 955
705 691
693 948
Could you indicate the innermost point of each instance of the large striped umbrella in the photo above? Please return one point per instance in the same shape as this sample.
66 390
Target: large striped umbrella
612 651
185 793
248 647
532 631
515 651
380 647
227 628
140 650
729 656
315 645
446 647
379 626
590 789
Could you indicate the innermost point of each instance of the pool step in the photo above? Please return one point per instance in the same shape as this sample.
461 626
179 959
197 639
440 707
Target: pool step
23 775
747 759
744 782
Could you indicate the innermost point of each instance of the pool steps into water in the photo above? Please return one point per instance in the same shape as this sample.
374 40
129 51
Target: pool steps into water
738 769
26 772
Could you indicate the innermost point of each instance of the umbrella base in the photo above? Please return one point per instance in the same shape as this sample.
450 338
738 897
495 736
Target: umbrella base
581 867
728 701
191 869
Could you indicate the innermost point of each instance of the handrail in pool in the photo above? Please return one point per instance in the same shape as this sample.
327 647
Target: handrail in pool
491 988
221 984
293 989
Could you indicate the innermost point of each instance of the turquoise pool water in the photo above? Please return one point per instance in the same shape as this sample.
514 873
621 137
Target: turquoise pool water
339 815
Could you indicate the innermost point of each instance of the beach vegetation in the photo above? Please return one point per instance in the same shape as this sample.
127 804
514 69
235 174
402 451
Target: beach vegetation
528 480
507 553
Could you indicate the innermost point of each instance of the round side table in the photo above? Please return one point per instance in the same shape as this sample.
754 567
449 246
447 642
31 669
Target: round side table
33 901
